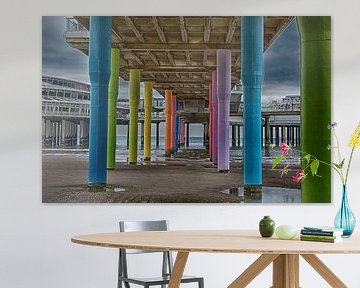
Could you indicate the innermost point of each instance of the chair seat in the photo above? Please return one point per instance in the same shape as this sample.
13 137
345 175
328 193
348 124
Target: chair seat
158 280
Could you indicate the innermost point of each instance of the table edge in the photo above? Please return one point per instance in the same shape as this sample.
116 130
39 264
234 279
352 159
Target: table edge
203 250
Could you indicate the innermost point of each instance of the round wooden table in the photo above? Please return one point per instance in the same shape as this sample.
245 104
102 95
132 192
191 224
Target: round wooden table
284 254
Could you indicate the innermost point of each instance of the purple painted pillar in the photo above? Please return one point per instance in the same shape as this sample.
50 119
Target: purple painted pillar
223 59
214 127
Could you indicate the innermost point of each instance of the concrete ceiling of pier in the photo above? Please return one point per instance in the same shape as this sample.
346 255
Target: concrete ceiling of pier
178 52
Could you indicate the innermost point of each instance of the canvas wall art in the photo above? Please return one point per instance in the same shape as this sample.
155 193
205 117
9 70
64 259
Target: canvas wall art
186 109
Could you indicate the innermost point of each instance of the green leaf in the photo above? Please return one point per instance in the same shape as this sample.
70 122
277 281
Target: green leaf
342 163
314 167
339 166
307 158
285 170
277 161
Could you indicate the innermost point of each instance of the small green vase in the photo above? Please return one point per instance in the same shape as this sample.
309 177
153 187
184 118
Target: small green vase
267 227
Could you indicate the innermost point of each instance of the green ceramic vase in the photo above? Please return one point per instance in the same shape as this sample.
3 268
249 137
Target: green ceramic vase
266 227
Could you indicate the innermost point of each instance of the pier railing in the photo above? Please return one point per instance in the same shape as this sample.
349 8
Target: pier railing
72 25
78 110
290 108
81 109
75 105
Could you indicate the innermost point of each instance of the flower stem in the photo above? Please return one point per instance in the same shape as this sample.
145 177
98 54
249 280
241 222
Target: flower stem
338 146
348 167
330 165
339 155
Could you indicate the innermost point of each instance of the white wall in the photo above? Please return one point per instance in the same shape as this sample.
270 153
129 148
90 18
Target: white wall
35 248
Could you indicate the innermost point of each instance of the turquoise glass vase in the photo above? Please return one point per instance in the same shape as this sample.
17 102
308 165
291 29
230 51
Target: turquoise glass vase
345 219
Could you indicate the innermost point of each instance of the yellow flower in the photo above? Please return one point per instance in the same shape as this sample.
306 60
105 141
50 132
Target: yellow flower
355 138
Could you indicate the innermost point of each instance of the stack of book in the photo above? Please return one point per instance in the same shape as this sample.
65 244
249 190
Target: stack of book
321 234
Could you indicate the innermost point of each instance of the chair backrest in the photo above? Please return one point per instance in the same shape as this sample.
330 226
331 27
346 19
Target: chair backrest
133 226
137 226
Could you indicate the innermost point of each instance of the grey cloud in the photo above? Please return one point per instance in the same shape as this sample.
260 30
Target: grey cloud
57 57
282 60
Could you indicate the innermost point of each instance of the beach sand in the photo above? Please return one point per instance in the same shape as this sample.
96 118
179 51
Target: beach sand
175 180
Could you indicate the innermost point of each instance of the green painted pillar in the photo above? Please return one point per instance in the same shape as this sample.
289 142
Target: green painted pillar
134 99
315 38
113 94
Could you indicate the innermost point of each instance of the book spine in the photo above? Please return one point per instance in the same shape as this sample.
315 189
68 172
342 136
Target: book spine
319 233
317 239
318 236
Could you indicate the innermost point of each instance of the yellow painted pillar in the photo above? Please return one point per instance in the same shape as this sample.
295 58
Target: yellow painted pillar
148 90
134 99
168 106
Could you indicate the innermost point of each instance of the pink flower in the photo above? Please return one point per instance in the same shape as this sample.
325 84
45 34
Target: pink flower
285 148
300 175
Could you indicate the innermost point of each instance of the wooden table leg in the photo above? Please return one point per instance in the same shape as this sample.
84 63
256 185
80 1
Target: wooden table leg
324 271
253 270
178 269
286 271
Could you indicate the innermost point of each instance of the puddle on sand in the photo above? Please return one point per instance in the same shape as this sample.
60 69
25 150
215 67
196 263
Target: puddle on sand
237 191
268 195
108 188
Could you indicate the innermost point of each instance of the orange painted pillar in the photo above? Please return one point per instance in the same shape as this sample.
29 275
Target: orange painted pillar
173 122
168 106
210 120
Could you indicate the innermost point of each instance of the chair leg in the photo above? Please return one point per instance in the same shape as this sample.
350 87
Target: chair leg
201 283
120 270
164 266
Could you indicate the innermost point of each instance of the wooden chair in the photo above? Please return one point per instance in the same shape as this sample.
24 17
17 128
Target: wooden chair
167 262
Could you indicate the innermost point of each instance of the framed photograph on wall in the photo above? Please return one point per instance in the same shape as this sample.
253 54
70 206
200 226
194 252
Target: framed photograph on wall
186 109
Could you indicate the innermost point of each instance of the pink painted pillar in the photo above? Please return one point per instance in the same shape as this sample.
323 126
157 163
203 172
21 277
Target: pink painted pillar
214 118
223 60
210 120
173 122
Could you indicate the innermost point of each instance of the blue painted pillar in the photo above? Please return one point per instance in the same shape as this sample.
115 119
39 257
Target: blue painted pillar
252 74
99 73
177 127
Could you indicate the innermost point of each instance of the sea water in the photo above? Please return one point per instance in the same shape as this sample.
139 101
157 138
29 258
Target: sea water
157 153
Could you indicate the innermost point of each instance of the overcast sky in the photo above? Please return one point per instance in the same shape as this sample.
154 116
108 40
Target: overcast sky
281 60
